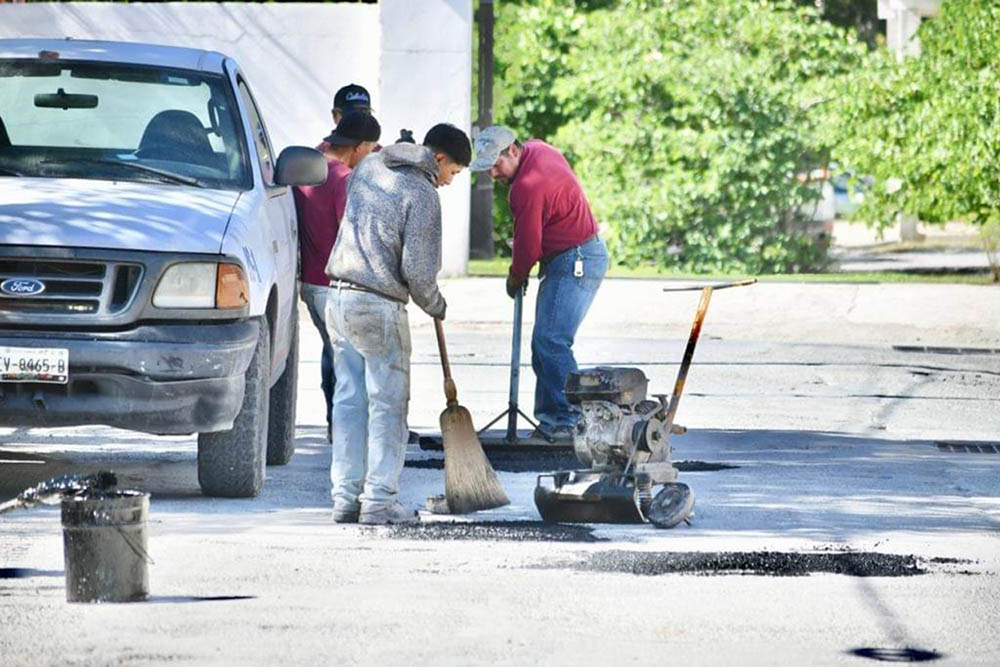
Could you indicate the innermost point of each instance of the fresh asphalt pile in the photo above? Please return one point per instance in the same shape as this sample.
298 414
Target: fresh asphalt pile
495 531
762 563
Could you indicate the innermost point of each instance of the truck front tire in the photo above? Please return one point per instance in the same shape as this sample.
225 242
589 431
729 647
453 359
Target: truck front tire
281 418
231 463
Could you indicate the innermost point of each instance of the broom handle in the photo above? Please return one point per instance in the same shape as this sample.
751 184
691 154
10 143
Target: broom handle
450 391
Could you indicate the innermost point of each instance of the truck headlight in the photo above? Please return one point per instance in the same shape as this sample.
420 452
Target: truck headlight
202 285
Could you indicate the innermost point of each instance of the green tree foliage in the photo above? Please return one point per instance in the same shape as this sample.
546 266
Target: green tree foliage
859 15
928 128
687 121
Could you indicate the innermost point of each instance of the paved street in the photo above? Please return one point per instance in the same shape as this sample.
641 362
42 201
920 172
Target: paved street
843 447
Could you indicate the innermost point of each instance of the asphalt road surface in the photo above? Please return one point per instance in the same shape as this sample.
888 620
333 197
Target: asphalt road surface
843 448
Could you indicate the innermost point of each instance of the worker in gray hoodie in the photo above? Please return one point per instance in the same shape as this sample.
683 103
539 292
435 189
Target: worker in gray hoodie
388 251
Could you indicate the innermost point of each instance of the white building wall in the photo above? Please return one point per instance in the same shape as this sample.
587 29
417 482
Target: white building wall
426 79
902 19
414 57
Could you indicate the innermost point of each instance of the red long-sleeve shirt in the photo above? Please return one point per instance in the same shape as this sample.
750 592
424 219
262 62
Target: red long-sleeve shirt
550 211
320 209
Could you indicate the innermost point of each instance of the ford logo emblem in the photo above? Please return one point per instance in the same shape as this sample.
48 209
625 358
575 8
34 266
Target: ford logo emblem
22 287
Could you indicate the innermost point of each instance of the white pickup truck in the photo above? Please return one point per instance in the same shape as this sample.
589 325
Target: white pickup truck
148 251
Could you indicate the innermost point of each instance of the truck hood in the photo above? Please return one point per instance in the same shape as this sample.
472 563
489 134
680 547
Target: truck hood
85 213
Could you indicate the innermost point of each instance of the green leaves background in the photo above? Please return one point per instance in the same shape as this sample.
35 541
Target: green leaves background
689 122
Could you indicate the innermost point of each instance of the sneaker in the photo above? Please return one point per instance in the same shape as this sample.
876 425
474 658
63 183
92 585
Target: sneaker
393 513
345 513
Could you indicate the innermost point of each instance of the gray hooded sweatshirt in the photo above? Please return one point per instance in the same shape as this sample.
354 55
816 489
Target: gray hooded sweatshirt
390 237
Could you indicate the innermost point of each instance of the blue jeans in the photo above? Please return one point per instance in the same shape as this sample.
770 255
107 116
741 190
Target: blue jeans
371 356
563 301
315 298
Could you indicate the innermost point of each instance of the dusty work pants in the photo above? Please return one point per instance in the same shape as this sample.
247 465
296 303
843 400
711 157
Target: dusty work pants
371 358
563 301
315 298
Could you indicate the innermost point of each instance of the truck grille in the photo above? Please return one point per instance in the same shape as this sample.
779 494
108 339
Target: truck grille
71 287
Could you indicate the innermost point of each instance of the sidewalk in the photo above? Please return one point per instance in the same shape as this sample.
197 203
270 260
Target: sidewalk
854 313
950 248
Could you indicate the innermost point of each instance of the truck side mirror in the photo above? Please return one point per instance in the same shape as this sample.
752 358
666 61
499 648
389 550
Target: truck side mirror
299 165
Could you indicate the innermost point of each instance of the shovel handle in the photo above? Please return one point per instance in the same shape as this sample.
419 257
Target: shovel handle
450 391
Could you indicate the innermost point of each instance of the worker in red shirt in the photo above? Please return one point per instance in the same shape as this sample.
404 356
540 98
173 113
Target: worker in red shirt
320 209
553 226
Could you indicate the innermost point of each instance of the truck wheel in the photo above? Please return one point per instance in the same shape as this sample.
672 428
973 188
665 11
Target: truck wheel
231 463
281 420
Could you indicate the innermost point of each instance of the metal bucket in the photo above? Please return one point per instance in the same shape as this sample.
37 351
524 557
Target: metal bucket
104 545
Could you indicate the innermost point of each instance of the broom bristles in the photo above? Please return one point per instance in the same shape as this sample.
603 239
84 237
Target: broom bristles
470 483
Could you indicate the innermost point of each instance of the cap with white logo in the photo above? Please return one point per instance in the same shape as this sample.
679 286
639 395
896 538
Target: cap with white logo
352 97
490 142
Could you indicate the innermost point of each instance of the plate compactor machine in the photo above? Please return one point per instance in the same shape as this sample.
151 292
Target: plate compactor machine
624 438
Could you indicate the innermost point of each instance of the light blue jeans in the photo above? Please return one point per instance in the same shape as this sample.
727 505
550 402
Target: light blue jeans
315 298
563 301
371 359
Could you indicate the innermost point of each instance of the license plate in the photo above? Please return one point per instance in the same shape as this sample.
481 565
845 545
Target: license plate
34 364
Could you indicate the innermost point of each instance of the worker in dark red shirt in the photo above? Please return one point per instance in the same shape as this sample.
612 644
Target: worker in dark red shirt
553 226
320 209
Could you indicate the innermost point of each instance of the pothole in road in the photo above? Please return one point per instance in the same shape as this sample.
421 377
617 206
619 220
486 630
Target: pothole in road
761 563
491 531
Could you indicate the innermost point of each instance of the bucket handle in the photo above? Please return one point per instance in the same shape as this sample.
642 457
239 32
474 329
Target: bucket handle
136 548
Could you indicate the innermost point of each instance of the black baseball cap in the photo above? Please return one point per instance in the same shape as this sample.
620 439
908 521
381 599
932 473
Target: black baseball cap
352 97
354 128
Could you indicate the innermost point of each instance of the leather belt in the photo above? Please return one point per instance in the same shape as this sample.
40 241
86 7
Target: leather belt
347 284
549 258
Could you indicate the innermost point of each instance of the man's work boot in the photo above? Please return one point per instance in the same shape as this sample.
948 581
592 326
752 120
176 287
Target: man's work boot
393 513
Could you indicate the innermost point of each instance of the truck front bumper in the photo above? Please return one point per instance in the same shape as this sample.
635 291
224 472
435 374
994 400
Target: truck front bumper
155 378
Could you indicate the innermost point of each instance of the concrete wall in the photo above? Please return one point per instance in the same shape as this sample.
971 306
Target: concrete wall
426 78
415 58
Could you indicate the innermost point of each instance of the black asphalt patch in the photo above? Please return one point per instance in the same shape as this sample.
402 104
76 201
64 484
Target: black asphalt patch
702 466
502 461
763 563
896 654
27 573
172 599
550 461
492 531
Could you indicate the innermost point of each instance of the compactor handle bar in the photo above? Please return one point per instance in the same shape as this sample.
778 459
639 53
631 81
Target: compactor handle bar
699 318
692 288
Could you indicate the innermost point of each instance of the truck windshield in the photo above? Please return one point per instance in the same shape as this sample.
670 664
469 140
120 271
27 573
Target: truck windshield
120 122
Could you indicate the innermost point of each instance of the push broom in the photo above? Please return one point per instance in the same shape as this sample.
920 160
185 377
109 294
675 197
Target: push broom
470 483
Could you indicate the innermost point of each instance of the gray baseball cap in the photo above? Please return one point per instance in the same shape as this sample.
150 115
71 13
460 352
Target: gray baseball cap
489 143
